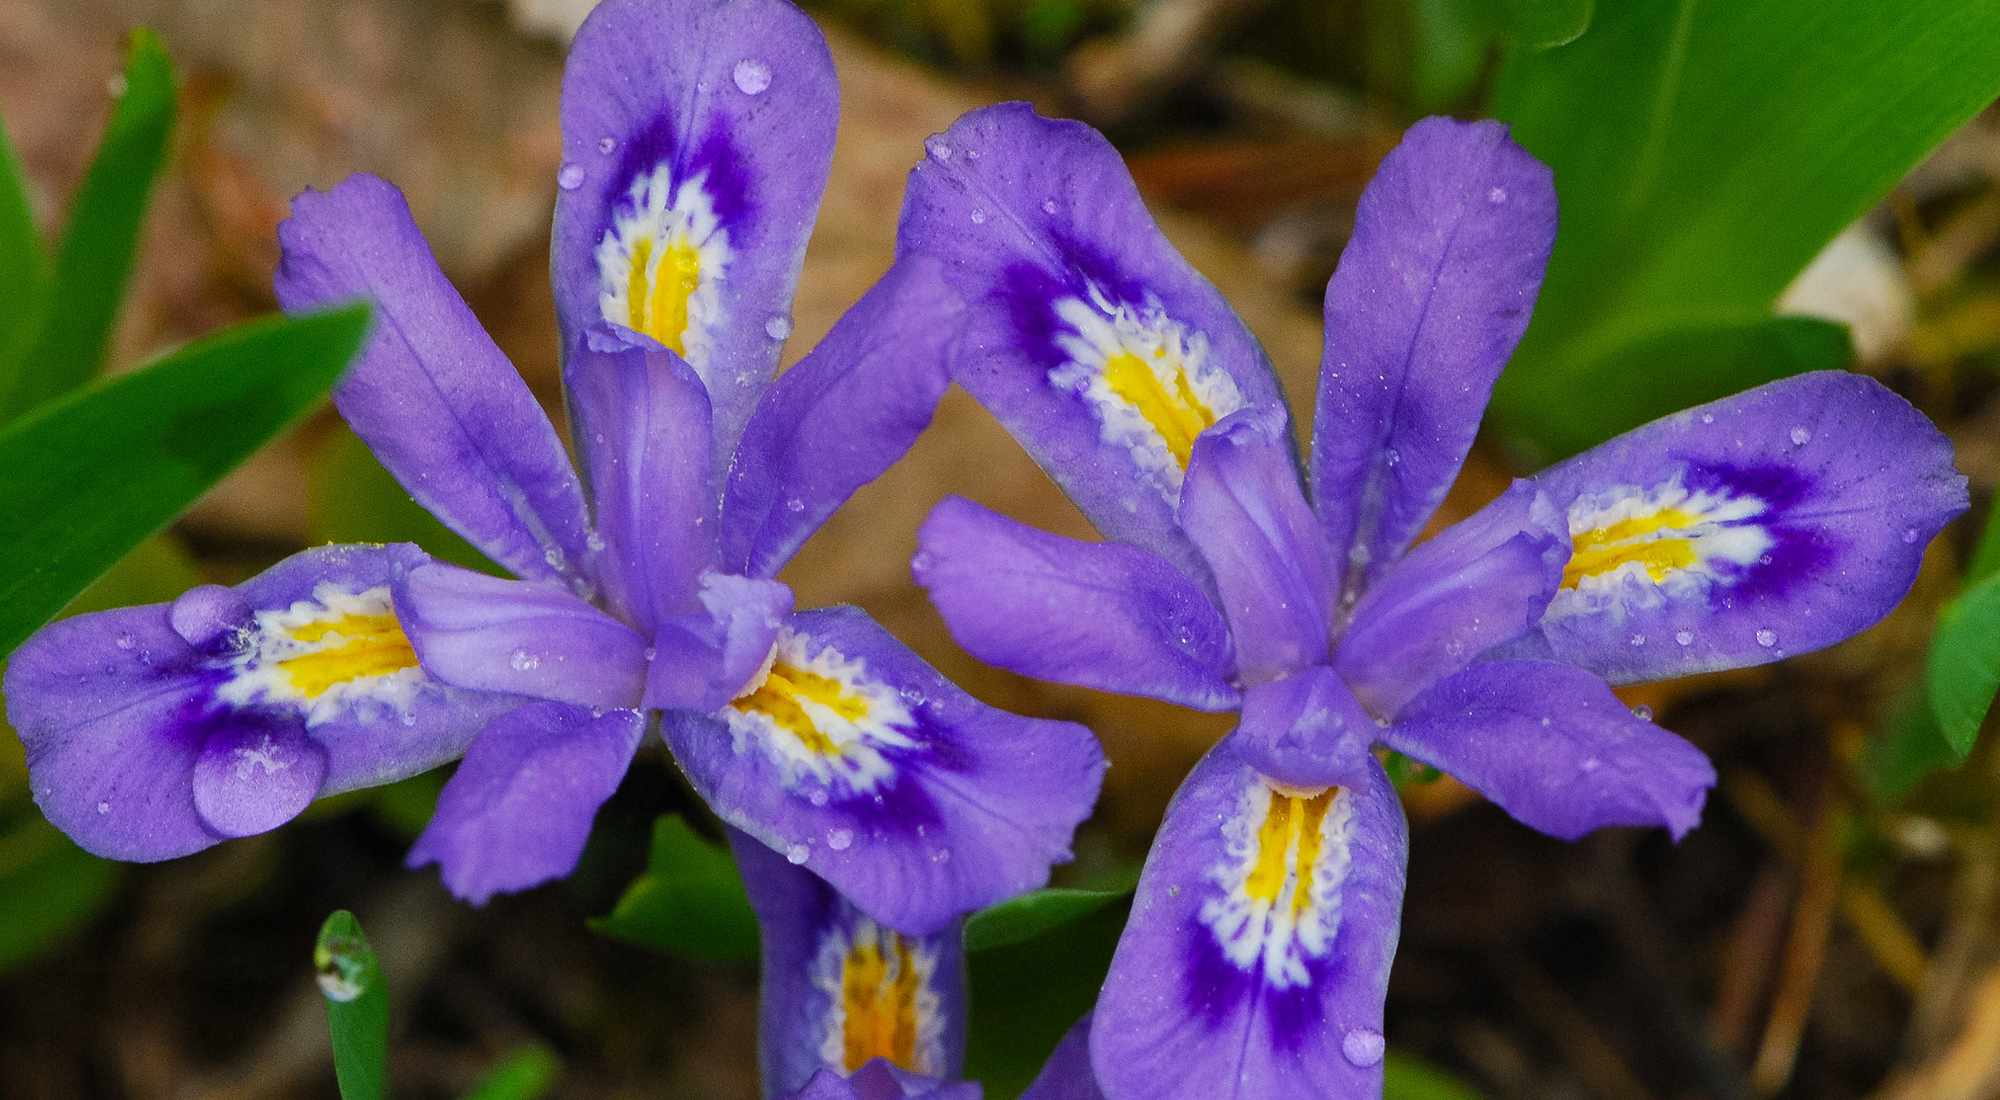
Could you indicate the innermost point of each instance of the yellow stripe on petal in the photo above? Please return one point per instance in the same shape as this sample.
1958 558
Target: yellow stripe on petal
368 645
783 695
1176 414
1656 542
879 987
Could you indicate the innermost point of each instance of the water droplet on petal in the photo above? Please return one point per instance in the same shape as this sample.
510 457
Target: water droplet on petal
796 854
778 327
594 540
1048 206
597 712
1708 418
127 641
524 661
554 556
1362 1046
942 855
921 561
1767 638
1391 457
1684 637
751 76
409 719
938 150
839 839
1800 436
979 217
650 653
795 506
1910 535
1643 712
570 177
1591 764
817 798
606 144
104 807
1497 196
1638 639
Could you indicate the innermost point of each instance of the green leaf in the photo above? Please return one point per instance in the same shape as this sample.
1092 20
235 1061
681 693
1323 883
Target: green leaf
1910 746
1022 918
1454 38
1407 1077
156 571
689 902
1027 995
1986 554
102 234
48 887
357 1007
1962 671
84 479
23 264
527 1074
353 499
1704 153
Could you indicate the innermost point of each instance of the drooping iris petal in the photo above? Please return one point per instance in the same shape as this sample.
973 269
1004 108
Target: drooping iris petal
858 760
839 989
1551 745
1306 731
881 1080
643 429
1257 954
696 140
1477 584
1096 614
1243 508
517 811
1067 1074
1092 340
488 634
1432 293
838 419
432 395
1764 525
156 731
703 661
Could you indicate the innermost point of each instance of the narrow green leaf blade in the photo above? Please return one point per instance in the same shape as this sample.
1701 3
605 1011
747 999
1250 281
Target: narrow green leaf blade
48 887
83 480
353 499
1020 919
1027 995
1962 671
526 1074
1909 747
102 232
23 264
1705 152
689 902
1542 24
1407 1077
357 1007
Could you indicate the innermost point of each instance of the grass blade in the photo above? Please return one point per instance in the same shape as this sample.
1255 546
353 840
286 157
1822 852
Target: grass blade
357 1007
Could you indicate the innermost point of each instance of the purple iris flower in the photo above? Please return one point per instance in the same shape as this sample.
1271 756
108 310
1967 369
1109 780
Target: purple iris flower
880 1079
697 139
1257 954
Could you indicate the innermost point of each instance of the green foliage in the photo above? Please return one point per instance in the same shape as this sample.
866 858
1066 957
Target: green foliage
526 1074
23 265
1023 918
1454 38
84 479
1704 154
1407 1077
357 1007
48 886
353 499
689 902
1026 996
1963 668
71 315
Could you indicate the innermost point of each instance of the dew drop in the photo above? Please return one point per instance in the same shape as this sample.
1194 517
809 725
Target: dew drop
795 506
1685 637
409 719
1497 196
979 217
1362 1046
127 641
942 855
606 144
1800 436
751 76
594 540
1767 638
570 177
1638 639
104 807
597 712
1909 535
921 561
554 557
817 798
1591 765
524 661
778 327
1545 722
1643 712
1048 206
1391 456
796 854
839 839
938 150
650 653
1708 418
1173 891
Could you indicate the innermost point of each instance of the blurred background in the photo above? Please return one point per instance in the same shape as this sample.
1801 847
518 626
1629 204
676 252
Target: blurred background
1747 193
